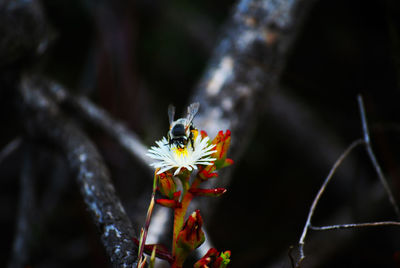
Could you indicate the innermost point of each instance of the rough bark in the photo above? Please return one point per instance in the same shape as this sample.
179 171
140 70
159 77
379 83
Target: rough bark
247 65
45 122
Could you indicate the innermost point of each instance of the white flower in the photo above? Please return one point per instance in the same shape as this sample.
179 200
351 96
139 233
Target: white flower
169 157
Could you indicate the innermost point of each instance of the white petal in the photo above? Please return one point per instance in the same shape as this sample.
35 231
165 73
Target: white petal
166 156
164 169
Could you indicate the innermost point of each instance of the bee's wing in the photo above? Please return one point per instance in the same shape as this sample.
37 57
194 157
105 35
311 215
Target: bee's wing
171 113
192 111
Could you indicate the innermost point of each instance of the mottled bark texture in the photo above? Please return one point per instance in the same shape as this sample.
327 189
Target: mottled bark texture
247 64
104 121
44 121
245 67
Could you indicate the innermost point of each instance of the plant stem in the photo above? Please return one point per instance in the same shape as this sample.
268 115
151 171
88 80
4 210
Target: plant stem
143 234
179 213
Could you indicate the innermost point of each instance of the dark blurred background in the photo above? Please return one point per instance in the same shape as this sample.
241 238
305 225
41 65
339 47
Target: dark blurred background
133 58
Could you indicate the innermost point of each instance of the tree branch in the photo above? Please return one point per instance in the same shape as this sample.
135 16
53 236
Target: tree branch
319 194
367 142
43 120
244 68
355 225
101 119
26 207
128 140
373 158
11 147
246 65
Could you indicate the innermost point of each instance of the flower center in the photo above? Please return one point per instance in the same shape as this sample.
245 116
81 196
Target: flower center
180 152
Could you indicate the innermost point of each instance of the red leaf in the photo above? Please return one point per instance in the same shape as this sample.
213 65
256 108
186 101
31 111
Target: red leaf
169 203
208 192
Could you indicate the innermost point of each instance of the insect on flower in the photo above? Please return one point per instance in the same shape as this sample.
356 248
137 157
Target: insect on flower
181 131
183 147
176 156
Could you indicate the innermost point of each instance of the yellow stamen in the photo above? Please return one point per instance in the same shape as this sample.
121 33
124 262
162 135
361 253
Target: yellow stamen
180 152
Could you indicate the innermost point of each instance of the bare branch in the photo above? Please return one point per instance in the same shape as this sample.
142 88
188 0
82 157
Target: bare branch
355 225
44 121
11 147
320 192
317 241
246 65
26 207
127 139
367 142
373 158
101 119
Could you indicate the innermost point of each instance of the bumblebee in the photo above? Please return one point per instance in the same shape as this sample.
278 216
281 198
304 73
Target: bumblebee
181 131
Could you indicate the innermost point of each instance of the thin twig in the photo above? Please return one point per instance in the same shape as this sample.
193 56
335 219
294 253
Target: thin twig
373 158
145 230
354 225
320 192
11 147
366 140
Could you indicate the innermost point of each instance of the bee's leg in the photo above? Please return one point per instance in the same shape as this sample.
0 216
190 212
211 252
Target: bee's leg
170 142
191 140
169 139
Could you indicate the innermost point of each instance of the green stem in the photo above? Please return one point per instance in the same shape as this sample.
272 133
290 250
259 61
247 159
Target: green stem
179 213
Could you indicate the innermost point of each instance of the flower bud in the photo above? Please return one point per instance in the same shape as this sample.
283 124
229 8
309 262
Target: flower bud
166 184
169 203
207 172
190 237
222 142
